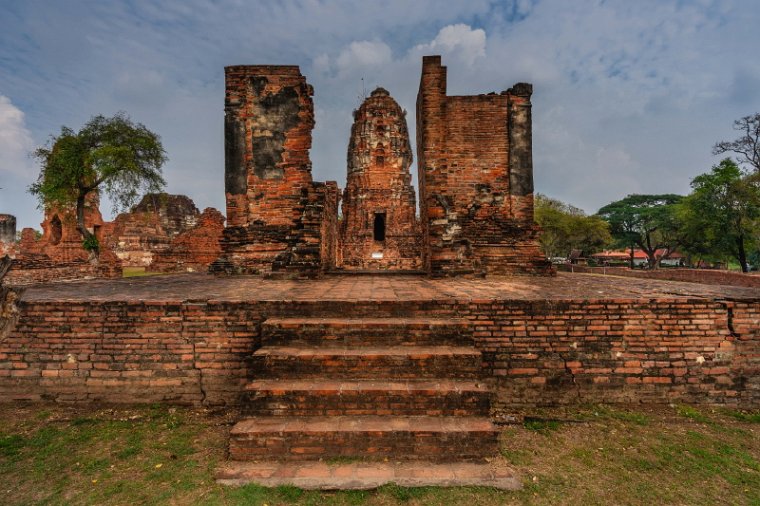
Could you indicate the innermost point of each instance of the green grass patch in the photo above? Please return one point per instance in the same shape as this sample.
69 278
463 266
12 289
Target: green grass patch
692 413
163 455
516 457
543 426
11 445
744 416
623 415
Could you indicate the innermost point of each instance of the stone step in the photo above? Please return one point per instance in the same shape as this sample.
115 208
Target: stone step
366 331
440 439
320 397
402 362
362 475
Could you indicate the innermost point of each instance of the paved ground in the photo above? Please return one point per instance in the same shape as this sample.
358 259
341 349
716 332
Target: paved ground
367 475
201 287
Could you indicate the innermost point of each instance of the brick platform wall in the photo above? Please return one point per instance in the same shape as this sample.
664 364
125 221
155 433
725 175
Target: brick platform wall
128 352
708 277
534 352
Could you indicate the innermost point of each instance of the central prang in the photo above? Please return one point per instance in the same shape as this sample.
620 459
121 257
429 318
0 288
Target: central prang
379 228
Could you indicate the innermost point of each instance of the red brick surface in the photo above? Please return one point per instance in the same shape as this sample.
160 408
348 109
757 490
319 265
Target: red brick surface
149 228
379 182
195 249
573 338
476 179
365 398
58 255
710 277
278 219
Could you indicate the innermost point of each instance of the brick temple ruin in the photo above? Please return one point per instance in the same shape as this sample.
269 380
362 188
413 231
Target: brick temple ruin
359 380
475 178
163 232
379 229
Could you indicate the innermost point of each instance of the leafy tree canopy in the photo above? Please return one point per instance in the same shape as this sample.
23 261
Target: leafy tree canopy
565 228
114 155
721 217
644 221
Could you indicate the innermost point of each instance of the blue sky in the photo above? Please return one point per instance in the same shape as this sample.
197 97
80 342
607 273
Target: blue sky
629 97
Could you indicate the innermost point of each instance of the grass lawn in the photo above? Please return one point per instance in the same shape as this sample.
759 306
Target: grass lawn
593 455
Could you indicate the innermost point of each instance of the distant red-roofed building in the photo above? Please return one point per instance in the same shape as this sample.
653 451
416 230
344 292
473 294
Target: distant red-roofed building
639 257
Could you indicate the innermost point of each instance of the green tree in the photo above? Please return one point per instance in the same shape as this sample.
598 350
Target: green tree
646 221
114 155
565 228
722 214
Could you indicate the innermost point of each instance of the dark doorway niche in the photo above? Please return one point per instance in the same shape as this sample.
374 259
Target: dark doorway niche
56 230
379 228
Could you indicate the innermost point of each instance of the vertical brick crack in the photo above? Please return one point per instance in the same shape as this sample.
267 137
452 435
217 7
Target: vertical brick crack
730 319
200 373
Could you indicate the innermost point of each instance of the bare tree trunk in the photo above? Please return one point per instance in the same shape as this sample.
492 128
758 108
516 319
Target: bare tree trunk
86 234
742 253
631 260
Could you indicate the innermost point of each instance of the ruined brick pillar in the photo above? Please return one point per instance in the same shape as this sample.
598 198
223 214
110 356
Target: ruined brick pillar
379 228
7 228
476 179
273 206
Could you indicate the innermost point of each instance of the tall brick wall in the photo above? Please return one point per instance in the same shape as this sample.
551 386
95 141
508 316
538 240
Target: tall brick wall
534 352
378 187
476 179
271 198
268 120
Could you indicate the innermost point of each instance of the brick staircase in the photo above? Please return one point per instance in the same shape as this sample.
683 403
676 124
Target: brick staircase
371 389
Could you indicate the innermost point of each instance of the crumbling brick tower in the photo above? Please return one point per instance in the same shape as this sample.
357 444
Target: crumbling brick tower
379 228
61 239
7 234
278 219
476 179
7 228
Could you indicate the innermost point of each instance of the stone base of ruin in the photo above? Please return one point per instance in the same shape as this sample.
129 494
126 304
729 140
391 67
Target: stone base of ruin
396 377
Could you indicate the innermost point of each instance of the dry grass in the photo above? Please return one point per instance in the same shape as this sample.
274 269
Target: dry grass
596 455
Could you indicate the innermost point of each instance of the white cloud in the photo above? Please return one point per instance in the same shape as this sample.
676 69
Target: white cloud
456 41
321 64
363 54
15 141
